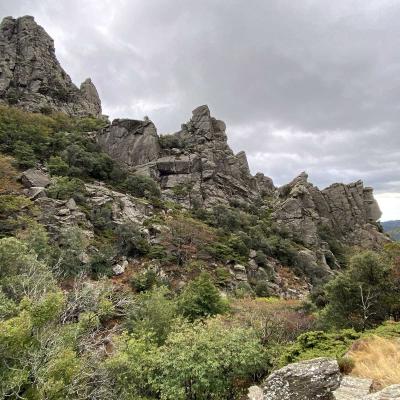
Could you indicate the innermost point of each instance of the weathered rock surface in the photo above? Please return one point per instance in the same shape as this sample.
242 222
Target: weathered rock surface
352 388
388 393
130 142
32 78
348 211
306 380
34 178
204 170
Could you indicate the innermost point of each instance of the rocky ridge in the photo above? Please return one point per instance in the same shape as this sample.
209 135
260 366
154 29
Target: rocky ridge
31 76
195 166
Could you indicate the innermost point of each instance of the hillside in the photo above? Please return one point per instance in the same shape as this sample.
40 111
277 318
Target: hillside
143 266
392 228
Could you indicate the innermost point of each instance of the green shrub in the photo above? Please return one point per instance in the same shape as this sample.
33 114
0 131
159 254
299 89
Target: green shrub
315 344
262 289
144 281
154 311
130 240
171 141
64 188
57 166
200 298
141 186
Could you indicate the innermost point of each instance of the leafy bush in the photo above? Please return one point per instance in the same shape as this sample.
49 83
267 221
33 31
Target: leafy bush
361 296
64 188
200 298
144 280
154 312
141 186
131 241
319 344
172 141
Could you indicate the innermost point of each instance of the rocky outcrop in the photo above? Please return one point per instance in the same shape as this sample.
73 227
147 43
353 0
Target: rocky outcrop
32 78
388 393
306 380
130 142
348 212
352 388
200 169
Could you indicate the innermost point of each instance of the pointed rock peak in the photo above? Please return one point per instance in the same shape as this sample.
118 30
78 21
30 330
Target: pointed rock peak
31 77
301 178
201 111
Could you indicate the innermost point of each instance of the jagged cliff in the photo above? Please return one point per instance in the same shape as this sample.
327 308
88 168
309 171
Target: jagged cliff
194 166
199 159
32 78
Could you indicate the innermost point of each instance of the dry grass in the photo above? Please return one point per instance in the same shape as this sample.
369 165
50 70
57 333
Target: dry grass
377 358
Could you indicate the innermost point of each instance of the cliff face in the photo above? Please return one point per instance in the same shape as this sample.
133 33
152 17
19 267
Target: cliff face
195 166
32 78
349 212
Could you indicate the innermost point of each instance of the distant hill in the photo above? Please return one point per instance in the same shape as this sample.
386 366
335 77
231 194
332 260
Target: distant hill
392 228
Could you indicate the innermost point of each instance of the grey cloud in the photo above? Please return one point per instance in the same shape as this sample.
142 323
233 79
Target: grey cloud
302 85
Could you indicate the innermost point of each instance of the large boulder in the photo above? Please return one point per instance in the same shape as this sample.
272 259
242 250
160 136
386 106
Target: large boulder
131 142
34 178
352 388
31 76
306 380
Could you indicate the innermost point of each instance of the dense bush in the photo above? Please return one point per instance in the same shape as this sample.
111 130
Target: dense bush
64 188
172 141
319 344
200 298
141 186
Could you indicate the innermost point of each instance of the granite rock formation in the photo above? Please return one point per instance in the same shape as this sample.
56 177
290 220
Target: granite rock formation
31 77
311 379
348 211
131 142
198 166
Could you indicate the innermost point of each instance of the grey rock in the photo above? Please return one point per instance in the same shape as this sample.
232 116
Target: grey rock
118 269
71 204
255 393
239 272
388 393
34 178
35 192
31 76
306 380
130 142
352 388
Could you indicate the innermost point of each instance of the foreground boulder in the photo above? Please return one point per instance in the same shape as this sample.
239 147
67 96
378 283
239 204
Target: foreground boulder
306 380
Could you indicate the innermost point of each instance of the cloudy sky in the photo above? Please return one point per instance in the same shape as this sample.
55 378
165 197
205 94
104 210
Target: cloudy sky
302 85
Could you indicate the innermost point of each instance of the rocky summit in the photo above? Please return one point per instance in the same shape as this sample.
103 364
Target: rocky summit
32 78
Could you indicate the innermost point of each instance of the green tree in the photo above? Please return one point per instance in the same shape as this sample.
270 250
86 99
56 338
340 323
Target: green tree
200 298
360 296
153 311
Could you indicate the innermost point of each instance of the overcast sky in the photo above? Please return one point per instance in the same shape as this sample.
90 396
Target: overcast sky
302 85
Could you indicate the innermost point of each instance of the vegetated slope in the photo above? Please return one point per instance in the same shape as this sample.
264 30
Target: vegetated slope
392 228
